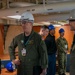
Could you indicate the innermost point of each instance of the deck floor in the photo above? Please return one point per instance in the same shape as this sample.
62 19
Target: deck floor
5 72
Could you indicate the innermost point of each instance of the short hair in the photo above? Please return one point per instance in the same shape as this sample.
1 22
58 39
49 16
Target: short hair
44 27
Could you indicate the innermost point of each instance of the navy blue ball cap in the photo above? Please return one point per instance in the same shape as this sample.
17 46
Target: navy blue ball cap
61 30
51 27
9 67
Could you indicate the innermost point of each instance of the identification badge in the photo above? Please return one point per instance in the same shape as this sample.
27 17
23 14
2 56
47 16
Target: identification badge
66 46
24 52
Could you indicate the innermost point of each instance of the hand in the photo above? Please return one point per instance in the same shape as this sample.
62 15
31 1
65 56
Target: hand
44 71
16 61
66 51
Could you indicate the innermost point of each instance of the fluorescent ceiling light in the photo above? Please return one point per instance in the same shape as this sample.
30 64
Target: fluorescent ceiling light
62 23
46 23
20 4
14 17
56 25
37 24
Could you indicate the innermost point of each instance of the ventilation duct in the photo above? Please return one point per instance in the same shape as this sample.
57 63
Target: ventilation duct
20 4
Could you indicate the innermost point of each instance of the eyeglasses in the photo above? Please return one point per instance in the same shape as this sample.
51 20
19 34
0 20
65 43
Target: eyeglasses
26 21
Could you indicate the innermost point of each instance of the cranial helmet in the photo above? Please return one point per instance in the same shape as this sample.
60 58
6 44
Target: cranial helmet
10 67
61 30
51 27
27 16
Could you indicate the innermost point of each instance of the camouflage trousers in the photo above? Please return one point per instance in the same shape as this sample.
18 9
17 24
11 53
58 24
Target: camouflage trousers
61 63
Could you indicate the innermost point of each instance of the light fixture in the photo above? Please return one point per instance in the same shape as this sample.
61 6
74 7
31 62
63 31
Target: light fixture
46 23
62 23
15 17
56 25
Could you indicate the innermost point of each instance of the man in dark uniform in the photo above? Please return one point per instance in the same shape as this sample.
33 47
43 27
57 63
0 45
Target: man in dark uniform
51 49
72 54
32 52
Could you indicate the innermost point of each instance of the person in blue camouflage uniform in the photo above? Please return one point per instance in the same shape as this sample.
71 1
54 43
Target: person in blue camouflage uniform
32 52
62 47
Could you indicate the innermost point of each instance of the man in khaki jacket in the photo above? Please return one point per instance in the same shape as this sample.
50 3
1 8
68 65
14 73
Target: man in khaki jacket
32 52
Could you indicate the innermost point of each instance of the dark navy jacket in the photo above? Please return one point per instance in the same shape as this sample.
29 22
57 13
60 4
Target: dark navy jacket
50 44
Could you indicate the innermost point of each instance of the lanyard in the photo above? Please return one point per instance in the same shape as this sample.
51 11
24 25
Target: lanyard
27 39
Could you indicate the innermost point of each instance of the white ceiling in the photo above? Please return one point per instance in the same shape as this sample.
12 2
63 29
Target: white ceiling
17 6
41 1
59 0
